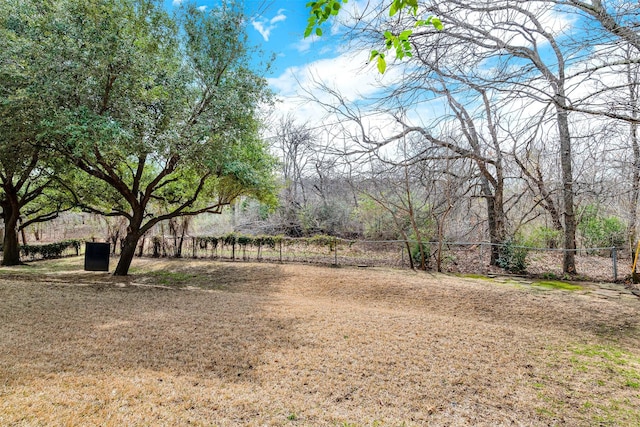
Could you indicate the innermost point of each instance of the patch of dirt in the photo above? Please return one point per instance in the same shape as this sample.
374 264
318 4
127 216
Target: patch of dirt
207 343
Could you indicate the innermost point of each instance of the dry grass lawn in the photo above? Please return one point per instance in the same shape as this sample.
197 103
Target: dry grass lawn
226 344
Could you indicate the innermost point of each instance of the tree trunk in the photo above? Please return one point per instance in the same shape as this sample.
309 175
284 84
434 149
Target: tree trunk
495 217
129 247
10 247
635 190
569 259
408 246
493 231
632 81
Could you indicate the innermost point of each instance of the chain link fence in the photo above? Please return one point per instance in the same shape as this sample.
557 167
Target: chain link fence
596 264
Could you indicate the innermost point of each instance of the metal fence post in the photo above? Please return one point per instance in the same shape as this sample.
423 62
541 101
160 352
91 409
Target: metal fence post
614 257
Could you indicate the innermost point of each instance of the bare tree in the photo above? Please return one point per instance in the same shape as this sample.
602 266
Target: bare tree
619 18
398 189
528 62
294 144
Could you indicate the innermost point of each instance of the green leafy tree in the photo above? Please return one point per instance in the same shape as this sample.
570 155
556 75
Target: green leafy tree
29 175
159 113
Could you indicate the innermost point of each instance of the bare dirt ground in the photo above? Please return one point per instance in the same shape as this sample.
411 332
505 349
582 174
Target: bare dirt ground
226 344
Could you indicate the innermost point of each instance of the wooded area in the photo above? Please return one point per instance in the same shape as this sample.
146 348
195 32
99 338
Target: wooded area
513 122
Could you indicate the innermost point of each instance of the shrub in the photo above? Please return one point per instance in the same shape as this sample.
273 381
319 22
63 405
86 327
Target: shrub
513 257
600 232
230 239
543 237
416 254
205 241
52 250
322 240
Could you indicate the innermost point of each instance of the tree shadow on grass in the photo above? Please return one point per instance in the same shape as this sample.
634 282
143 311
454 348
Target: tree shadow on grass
209 320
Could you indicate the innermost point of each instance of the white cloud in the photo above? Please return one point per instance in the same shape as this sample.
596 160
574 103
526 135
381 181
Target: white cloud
348 75
265 26
202 8
177 2
264 31
280 17
304 44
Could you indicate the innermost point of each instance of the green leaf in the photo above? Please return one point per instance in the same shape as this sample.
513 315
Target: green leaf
437 23
405 35
374 53
382 64
318 32
308 31
393 10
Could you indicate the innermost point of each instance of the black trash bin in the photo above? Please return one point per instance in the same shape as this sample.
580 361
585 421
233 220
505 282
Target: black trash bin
96 256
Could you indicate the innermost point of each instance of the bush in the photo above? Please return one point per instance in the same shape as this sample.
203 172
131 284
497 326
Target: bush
204 241
543 237
513 257
322 240
52 250
600 232
416 255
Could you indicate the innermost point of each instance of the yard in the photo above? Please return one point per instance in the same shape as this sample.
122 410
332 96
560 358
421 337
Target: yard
223 344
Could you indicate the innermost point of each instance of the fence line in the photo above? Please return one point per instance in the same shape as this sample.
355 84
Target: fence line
603 264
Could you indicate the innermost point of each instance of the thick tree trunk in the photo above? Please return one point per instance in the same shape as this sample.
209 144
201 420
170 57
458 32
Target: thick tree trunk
496 219
127 253
635 190
494 233
569 260
632 81
10 247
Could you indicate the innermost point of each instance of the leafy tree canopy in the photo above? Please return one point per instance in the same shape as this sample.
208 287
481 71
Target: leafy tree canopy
29 175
